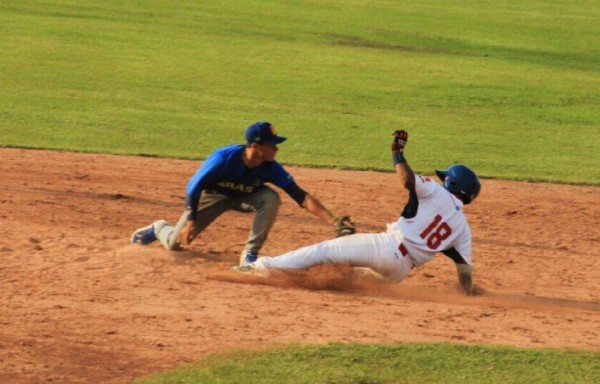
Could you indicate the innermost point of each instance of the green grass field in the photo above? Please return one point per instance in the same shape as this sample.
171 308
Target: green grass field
508 88
391 364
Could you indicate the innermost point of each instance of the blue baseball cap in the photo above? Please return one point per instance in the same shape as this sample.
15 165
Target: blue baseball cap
262 132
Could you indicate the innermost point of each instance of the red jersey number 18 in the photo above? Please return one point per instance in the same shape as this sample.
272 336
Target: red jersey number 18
436 232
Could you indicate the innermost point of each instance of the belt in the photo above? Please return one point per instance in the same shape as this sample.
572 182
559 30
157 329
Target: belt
404 253
402 249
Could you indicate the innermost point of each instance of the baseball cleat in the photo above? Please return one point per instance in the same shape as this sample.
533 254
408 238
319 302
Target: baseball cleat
145 235
247 269
248 257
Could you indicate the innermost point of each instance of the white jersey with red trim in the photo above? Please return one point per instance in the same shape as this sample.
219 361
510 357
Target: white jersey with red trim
440 224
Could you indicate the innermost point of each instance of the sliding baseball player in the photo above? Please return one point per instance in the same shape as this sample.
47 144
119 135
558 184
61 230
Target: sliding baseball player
432 221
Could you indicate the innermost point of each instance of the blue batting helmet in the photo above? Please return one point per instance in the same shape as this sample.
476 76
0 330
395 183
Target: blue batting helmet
460 180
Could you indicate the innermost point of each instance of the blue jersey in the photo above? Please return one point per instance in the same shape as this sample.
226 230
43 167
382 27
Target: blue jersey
225 172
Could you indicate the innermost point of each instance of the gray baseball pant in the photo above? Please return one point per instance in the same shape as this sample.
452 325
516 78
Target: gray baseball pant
264 202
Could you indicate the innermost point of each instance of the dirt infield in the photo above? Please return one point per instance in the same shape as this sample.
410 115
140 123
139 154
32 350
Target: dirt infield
82 305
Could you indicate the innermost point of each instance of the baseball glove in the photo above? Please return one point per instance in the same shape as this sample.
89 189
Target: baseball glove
343 226
400 139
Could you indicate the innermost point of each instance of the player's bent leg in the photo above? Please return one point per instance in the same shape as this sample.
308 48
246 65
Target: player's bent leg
403 267
265 202
211 206
168 234
372 250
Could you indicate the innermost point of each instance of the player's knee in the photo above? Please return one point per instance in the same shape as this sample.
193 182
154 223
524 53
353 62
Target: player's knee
271 198
172 246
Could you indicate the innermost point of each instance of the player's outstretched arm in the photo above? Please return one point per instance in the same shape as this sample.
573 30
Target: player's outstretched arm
403 170
342 224
314 206
465 278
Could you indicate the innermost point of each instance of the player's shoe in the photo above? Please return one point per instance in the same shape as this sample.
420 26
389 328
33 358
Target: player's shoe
247 269
146 235
248 258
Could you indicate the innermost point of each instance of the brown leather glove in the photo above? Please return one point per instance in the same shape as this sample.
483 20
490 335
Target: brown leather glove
343 226
400 139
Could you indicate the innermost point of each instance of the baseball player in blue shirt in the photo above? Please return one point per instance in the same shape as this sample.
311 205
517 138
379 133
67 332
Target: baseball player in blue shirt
233 178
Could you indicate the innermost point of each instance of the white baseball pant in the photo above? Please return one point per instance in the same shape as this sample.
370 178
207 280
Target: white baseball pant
378 251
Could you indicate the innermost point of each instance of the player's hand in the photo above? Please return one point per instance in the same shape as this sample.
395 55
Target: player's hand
188 233
343 226
400 139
